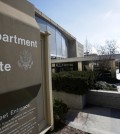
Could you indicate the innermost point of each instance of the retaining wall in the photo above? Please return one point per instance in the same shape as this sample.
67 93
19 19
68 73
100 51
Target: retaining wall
104 98
72 100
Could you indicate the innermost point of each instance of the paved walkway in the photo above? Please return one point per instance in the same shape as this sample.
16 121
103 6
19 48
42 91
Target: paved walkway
95 120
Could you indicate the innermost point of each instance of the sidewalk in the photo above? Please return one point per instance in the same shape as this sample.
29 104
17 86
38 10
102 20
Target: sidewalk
95 120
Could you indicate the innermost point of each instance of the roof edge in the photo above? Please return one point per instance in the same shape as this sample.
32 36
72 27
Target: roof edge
41 14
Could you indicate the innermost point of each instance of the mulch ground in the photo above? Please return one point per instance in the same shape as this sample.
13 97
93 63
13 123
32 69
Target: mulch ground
64 129
69 130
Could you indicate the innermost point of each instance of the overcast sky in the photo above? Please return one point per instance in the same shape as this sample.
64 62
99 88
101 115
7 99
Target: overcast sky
96 20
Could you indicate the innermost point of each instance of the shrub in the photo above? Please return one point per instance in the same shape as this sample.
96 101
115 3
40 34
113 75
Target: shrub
110 80
102 75
100 85
74 82
59 109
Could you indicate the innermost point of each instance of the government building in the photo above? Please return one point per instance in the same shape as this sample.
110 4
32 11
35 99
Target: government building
62 43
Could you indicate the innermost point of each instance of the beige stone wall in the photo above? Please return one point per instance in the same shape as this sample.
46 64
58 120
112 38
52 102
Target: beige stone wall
72 100
104 98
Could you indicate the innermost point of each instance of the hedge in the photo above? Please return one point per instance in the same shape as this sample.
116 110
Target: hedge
74 82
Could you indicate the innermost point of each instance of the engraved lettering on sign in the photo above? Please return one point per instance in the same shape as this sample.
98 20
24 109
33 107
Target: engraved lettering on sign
25 60
23 121
17 40
4 67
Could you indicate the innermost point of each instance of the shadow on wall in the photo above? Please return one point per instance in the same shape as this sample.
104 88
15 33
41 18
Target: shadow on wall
15 102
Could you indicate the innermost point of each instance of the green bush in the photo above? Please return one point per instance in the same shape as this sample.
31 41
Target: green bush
110 80
102 85
59 109
74 82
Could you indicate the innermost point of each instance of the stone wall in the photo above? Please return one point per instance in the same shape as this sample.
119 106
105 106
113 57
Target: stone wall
72 101
104 98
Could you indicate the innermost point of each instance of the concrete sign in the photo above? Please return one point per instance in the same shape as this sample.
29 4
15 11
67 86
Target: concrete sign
21 89
18 114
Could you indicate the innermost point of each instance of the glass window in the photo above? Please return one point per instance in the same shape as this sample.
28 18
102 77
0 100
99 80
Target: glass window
59 43
42 24
64 47
52 40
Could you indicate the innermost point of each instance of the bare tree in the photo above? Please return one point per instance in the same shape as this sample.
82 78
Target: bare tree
109 49
106 56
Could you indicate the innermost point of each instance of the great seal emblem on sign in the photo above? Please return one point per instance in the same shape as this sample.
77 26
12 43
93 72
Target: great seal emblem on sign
25 62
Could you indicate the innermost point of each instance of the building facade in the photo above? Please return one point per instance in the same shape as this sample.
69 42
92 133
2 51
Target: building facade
62 44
